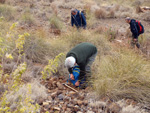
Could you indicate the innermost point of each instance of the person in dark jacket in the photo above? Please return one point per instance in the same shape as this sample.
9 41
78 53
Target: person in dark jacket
136 28
82 55
78 18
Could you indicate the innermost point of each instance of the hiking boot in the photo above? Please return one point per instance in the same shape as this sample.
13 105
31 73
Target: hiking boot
137 45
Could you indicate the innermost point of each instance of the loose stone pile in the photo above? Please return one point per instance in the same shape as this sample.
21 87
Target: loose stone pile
62 99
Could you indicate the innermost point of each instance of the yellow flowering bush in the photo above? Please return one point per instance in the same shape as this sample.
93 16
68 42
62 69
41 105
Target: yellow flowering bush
52 66
13 80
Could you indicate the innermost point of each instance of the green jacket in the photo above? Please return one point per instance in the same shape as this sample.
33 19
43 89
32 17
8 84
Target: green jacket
82 52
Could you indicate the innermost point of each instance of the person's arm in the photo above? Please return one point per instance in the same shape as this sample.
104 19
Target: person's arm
76 73
70 70
134 30
71 75
72 20
83 21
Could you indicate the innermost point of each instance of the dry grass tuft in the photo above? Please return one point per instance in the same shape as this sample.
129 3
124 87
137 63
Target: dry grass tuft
111 14
27 17
123 74
36 49
129 108
56 23
37 92
116 7
100 14
111 34
54 8
137 3
87 7
139 9
7 12
100 29
146 16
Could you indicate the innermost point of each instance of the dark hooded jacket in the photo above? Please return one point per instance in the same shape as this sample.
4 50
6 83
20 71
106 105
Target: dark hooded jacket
79 20
82 52
136 28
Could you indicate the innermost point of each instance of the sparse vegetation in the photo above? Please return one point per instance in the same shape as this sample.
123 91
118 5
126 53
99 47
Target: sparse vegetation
52 66
7 12
100 13
56 23
36 49
118 72
27 18
111 14
111 34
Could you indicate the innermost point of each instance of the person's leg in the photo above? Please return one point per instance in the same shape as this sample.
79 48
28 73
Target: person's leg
86 75
137 43
89 63
132 43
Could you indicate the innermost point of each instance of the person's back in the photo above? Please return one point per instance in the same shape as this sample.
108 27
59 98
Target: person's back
82 52
78 18
136 28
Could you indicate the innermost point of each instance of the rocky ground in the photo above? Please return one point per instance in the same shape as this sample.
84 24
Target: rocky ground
62 99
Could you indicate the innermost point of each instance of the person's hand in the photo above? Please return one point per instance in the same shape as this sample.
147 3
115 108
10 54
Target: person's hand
71 77
77 83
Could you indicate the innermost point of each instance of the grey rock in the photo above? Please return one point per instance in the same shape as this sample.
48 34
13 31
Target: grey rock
61 97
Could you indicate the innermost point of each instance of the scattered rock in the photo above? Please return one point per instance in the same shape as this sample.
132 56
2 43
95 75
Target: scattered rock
62 100
45 103
81 97
113 107
40 101
67 99
50 98
79 102
79 112
57 108
85 102
61 97
73 94
53 95
76 108
60 86
74 102
90 112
